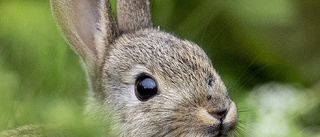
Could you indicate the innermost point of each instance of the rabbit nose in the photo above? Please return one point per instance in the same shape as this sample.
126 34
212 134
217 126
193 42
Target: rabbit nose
219 115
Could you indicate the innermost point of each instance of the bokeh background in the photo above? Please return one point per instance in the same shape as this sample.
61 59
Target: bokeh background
267 52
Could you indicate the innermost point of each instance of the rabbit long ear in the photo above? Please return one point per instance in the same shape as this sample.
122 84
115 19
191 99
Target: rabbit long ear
133 15
87 25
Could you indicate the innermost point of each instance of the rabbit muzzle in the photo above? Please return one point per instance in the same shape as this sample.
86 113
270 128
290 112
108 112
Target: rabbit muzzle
219 116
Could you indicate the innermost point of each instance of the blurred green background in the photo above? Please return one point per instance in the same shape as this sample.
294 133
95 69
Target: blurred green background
267 52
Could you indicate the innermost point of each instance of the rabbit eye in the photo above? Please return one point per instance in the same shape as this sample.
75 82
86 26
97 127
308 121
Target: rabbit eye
145 88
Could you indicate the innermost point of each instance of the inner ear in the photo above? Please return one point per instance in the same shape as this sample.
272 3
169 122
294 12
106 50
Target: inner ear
87 25
86 18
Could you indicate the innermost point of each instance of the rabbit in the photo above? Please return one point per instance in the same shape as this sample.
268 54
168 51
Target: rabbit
144 81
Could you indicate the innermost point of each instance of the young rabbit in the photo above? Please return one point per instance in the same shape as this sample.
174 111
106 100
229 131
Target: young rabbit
148 82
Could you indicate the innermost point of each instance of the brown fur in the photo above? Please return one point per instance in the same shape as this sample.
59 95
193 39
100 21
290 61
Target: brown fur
182 71
114 57
191 95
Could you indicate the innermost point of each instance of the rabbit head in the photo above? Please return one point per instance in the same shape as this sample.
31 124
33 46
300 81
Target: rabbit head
150 83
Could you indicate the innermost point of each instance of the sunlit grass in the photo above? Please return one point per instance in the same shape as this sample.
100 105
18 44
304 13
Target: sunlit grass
278 109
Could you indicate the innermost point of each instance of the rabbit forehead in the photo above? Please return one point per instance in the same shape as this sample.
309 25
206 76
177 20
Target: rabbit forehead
175 61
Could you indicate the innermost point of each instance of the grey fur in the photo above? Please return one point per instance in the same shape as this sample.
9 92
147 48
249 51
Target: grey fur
181 69
133 15
191 95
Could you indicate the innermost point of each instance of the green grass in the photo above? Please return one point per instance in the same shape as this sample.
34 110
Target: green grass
38 69
251 43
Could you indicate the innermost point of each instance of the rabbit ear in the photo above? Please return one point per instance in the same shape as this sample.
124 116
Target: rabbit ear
88 26
133 15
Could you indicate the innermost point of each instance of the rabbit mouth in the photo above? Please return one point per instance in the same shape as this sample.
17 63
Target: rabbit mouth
216 127
216 133
218 123
221 131
202 124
